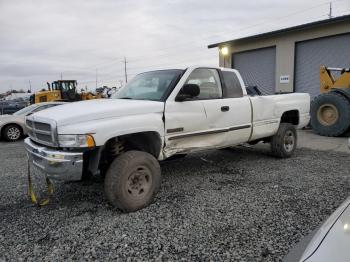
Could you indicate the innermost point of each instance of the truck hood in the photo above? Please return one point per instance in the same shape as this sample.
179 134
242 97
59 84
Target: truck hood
89 110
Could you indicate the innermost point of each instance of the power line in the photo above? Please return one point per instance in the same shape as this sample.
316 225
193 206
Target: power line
263 22
169 54
149 68
173 61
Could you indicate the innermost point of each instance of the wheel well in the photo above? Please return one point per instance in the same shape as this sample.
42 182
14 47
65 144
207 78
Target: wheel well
291 117
99 160
11 124
149 142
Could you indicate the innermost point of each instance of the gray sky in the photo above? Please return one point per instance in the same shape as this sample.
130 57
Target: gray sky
39 40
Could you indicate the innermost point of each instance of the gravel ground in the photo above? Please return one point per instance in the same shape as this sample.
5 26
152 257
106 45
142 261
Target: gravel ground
238 205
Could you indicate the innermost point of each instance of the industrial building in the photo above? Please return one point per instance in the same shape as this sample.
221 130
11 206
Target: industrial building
289 60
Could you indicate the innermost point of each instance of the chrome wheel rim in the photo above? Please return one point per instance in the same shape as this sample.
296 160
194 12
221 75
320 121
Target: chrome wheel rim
289 141
139 182
13 133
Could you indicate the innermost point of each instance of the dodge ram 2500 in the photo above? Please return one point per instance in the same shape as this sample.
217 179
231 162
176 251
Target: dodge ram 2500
159 114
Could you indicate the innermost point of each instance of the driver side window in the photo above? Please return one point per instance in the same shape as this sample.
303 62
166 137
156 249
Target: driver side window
208 81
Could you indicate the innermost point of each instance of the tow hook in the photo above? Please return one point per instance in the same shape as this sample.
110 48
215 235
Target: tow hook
32 195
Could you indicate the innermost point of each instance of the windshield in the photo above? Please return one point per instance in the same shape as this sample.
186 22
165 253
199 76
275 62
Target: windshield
25 110
149 86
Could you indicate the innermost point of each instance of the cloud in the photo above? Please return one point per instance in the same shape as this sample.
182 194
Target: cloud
39 40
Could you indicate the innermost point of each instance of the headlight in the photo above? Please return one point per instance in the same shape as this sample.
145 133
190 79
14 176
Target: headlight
76 141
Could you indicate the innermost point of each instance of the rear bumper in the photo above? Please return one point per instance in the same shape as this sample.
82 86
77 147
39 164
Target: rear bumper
56 164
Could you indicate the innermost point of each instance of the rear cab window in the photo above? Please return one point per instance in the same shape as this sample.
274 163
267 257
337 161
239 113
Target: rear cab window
233 88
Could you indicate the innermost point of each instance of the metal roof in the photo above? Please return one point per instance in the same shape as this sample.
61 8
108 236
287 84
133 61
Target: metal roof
288 30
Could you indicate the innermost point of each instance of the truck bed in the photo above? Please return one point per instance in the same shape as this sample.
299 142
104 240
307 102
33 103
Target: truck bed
264 107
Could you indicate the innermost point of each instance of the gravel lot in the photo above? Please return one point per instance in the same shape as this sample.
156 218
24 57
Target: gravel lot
239 205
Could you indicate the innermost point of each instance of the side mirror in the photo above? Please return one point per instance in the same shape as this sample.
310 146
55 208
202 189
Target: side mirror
188 91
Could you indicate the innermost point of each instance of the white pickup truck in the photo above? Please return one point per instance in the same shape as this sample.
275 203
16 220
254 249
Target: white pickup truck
155 116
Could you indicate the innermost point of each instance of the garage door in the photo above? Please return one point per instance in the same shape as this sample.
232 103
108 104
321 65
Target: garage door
257 68
310 55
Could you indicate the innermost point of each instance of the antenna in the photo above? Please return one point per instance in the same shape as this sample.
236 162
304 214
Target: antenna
330 11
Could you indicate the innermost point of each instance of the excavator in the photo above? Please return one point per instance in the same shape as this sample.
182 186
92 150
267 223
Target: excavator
330 111
62 90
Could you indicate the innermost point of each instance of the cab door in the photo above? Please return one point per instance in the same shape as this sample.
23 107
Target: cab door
182 121
207 121
230 112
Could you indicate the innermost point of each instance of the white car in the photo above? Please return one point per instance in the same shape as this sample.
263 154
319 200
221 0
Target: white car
12 127
157 115
331 242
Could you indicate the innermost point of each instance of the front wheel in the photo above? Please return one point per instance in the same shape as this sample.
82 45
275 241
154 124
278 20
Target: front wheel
132 180
284 142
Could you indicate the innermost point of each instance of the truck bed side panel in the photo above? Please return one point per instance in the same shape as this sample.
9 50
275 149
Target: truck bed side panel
268 110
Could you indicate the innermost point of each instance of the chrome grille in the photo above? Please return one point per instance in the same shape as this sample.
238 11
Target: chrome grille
43 126
41 132
29 123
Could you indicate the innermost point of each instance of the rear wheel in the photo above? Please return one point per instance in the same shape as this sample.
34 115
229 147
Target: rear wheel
284 142
330 114
12 133
132 180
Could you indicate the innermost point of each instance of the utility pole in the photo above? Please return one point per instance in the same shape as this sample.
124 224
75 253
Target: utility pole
61 76
330 11
126 75
96 77
30 86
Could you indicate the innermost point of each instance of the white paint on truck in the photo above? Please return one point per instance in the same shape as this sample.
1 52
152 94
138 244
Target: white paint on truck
185 126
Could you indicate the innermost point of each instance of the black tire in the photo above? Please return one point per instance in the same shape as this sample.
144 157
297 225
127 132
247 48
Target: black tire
12 133
335 125
284 142
132 180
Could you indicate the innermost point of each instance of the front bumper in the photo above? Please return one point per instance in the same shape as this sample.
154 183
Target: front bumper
56 164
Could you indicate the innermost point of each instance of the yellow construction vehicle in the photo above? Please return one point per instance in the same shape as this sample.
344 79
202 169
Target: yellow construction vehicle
330 111
62 90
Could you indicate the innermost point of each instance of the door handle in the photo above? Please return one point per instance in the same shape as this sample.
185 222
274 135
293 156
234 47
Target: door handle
225 108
